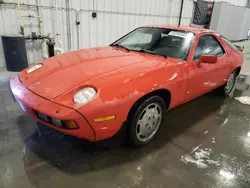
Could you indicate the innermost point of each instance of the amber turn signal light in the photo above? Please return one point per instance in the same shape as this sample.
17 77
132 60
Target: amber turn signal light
101 119
69 124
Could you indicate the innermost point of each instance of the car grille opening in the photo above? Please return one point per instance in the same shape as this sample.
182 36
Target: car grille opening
48 119
66 124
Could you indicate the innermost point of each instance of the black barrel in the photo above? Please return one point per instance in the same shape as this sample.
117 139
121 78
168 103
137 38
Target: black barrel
15 53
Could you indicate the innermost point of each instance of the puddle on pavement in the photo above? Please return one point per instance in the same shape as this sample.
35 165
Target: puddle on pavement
225 156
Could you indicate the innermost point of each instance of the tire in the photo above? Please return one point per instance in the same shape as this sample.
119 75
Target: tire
145 121
227 88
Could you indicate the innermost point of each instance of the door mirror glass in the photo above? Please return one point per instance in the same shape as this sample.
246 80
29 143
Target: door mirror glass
210 59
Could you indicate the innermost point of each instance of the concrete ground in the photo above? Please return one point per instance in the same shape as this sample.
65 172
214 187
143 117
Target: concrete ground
204 143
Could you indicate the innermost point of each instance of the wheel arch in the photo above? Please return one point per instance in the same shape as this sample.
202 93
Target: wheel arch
163 93
237 70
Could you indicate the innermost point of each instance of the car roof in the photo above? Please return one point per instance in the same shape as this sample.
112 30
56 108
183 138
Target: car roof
195 30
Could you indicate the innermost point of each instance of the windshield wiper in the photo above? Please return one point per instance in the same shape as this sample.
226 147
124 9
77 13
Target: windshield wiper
120 46
150 52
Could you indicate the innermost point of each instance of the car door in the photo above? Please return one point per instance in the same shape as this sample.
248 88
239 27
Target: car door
222 66
205 77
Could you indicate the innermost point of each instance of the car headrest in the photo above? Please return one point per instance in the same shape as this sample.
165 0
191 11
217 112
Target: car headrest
202 43
165 41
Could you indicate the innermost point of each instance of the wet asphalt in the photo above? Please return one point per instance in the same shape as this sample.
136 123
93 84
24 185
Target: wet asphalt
204 143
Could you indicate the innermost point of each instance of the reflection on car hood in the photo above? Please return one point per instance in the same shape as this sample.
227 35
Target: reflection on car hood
64 72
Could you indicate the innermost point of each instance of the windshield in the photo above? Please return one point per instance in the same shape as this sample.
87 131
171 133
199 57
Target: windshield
159 41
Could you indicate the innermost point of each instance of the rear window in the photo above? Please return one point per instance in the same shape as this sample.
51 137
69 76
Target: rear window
231 45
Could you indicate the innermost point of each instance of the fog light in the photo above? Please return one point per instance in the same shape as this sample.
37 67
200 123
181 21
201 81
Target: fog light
43 117
56 122
69 124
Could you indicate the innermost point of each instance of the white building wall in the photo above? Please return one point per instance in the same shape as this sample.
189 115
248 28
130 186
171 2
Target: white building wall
234 2
114 19
231 21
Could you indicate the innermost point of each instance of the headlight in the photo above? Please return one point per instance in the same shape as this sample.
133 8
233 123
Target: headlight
34 67
84 95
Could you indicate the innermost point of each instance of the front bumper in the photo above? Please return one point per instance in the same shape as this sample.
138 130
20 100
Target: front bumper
31 102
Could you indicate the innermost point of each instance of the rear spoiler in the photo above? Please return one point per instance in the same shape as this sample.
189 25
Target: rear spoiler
241 48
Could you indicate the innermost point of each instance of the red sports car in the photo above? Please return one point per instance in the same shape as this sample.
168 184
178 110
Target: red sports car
92 93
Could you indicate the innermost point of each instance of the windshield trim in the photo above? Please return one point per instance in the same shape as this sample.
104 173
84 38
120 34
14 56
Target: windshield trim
148 52
191 44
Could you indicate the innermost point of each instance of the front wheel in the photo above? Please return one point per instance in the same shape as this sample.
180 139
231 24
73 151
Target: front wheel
229 85
146 120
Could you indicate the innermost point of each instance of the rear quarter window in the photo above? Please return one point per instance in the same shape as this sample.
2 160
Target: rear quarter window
230 44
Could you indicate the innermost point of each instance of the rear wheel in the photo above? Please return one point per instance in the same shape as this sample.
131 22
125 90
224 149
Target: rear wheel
146 120
229 85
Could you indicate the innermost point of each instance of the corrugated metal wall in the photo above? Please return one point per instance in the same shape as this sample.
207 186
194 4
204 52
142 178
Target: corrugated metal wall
114 19
117 17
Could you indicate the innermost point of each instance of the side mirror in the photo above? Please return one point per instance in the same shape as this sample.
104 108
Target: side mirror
209 59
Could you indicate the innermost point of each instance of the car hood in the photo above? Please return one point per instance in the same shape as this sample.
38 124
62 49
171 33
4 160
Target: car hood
64 72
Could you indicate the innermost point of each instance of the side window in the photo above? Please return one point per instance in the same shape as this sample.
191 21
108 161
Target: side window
209 45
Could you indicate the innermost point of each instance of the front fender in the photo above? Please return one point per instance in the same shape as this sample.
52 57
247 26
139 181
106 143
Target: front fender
117 93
